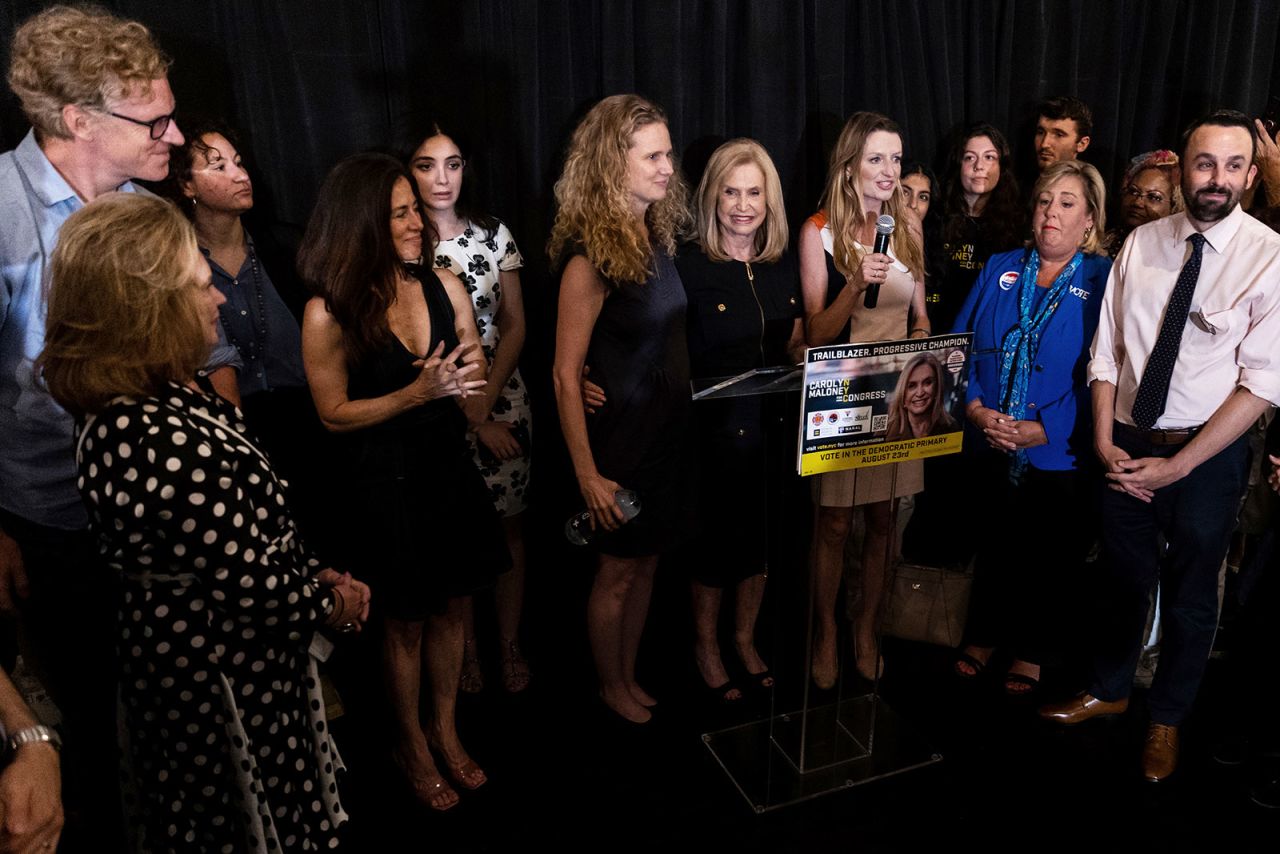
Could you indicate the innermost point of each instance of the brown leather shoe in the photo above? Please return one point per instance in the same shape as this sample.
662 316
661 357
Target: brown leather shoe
1081 708
1160 754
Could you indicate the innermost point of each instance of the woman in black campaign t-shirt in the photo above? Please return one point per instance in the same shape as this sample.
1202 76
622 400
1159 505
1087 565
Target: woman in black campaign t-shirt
984 215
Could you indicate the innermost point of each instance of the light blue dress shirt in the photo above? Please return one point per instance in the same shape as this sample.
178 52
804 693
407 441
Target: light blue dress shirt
37 457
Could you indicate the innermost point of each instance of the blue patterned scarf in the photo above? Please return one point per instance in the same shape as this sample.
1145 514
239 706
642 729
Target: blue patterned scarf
1018 352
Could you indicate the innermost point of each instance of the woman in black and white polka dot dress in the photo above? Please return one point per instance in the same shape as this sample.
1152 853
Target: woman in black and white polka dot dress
219 602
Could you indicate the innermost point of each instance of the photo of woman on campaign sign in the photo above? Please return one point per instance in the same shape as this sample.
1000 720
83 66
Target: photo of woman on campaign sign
869 404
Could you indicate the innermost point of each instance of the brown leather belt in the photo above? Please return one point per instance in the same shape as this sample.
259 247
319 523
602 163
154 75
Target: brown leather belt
1160 437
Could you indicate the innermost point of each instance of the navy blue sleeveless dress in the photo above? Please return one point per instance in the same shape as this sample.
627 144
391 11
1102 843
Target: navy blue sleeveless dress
639 355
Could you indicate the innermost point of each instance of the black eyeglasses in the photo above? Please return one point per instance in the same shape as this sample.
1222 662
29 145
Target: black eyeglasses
156 126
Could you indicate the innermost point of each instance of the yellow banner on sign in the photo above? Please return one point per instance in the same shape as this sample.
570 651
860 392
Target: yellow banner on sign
821 461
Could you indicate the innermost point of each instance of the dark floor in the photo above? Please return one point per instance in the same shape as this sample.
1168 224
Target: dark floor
563 772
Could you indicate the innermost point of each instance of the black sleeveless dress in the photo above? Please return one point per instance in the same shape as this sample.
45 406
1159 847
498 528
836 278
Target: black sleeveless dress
423 525
639 356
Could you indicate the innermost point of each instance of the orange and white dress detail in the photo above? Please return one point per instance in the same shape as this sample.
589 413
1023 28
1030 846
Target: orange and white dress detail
888 321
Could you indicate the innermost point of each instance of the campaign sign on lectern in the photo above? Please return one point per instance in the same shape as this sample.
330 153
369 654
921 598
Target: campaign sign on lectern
872 404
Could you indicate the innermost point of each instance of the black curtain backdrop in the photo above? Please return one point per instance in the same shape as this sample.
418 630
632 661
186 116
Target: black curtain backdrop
310 82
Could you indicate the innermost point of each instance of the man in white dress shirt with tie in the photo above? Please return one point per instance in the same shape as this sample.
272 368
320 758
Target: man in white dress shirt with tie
1187 356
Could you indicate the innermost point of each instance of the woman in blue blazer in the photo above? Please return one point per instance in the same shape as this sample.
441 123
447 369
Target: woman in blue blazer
1033 313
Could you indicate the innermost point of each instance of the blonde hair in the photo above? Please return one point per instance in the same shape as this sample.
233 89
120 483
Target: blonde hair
83 56
1095 198
771 236
842 198
899 424
594 205
123 318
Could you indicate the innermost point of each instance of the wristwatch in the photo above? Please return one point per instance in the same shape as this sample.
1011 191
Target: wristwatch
33 735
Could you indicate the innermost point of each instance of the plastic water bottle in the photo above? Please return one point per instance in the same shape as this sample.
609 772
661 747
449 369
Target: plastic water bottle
578 529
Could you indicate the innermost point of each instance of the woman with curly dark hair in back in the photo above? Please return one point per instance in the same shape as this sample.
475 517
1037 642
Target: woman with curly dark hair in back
984 214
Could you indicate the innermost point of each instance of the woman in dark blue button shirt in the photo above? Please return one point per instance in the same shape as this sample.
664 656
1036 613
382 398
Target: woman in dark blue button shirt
209 180
214 186
1033 313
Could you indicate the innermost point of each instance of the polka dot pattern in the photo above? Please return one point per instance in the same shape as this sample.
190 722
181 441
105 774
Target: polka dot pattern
1153 390
225 736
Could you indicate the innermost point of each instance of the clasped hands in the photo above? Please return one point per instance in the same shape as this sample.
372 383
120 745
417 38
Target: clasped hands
440 375
351 602
1139 478
1006 433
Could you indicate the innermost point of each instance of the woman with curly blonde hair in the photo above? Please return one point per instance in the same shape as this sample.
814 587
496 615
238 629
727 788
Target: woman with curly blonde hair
622 311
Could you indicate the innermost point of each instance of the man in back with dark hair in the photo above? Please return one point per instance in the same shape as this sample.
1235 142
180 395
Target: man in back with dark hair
1062 131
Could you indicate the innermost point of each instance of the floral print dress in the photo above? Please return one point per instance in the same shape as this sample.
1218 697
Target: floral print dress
477 257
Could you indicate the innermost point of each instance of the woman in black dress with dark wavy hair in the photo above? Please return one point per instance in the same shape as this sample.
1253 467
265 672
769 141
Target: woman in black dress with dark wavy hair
381 344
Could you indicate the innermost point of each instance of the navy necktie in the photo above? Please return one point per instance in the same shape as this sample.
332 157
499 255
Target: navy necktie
1153 391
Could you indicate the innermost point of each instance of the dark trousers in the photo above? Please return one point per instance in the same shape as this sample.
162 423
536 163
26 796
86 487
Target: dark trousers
68 639
1028 573
1195 516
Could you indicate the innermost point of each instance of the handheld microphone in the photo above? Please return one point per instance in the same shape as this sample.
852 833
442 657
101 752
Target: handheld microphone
884 228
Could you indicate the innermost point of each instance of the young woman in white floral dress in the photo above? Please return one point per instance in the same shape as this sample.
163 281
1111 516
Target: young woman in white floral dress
480 251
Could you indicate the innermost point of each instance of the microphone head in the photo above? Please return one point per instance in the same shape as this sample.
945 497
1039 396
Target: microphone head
884 224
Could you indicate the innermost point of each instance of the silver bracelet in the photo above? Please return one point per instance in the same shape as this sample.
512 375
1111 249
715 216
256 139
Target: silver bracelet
34 735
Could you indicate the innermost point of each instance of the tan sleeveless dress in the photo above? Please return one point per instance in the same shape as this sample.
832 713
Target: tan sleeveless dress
888 321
